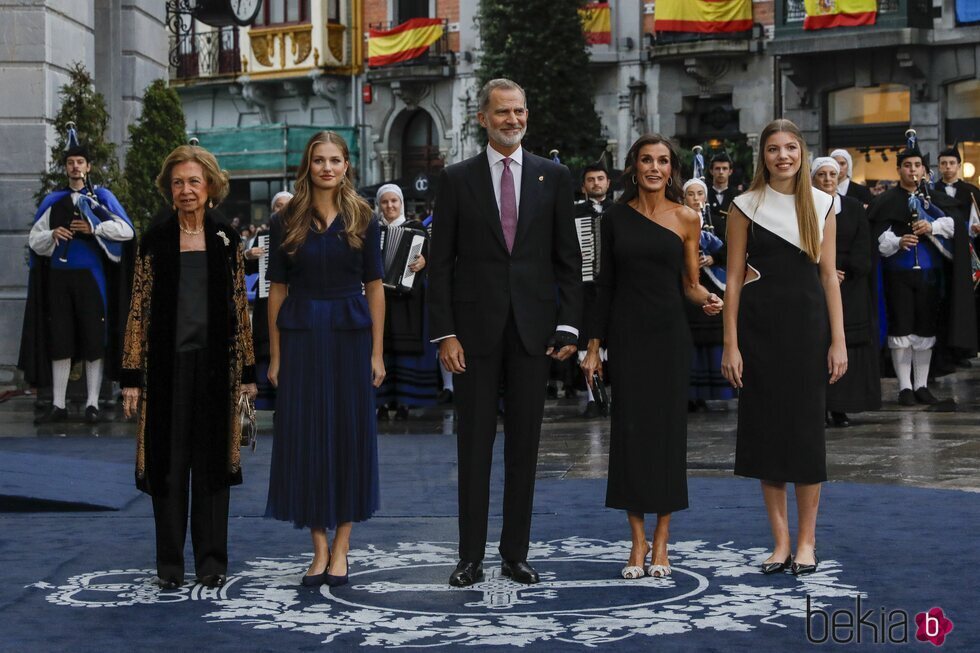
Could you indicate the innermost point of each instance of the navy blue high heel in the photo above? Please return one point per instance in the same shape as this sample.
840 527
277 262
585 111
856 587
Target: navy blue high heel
337 581
315 580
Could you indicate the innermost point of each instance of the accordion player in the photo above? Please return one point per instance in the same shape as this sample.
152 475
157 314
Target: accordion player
400 246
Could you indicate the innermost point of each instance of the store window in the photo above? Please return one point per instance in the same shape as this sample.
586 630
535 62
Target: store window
963 100
888 103
407 9
963 125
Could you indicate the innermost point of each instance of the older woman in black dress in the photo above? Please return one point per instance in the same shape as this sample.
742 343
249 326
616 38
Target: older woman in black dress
188 356
649 267
784 335
860 388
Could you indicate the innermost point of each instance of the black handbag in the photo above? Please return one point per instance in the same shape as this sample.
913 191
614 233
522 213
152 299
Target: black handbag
599 392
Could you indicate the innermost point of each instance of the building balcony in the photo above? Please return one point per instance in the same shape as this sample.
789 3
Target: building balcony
678 45
898 22
207 54
438 62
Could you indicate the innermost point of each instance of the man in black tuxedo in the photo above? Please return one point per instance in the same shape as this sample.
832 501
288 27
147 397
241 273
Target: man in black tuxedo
505 293
721 194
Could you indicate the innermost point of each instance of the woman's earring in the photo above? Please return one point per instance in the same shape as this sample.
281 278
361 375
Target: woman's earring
210 204
173 205
634 180
670 182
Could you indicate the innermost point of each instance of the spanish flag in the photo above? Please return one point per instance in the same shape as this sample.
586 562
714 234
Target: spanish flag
703 16
596 21
406 41
821 14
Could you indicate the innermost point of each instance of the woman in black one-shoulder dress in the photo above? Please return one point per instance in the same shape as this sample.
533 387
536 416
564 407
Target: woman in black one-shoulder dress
784 336
649 267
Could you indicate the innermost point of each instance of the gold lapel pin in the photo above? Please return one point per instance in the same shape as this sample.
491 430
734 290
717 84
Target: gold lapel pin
541 178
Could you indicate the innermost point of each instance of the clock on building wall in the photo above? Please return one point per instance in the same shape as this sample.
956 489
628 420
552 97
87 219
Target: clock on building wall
220 13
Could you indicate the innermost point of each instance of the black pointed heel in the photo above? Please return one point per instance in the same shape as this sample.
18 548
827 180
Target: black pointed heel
777 567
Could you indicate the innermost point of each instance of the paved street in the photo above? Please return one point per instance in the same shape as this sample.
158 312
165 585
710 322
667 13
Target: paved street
902 446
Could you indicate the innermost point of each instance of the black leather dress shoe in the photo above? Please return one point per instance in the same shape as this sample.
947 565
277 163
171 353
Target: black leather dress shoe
168 583
923 396
906 398
91 414
53 416
591 410
520 572
776 567
840 420
466 573
213 580
445 397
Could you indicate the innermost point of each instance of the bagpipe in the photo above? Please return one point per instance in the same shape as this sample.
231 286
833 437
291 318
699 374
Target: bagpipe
709 242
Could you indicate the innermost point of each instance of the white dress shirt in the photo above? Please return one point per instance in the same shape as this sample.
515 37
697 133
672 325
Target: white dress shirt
496 160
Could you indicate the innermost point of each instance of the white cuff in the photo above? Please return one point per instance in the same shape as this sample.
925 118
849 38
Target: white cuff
568 329
441 338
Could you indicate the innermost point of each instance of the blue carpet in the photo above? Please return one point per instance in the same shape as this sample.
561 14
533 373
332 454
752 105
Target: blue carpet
81 582
39 481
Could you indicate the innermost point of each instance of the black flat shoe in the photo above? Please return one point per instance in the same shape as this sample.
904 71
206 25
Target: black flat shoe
445 397
777 567
401 413
53 416
466 573
804 570
519 572
383 414
840 420
923 396
591 410
906 398
213 580
91 414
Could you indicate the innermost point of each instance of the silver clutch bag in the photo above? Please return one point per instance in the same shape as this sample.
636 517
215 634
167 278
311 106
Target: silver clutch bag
246 421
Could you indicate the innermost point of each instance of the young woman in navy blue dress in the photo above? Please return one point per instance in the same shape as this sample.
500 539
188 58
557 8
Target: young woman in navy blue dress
326 322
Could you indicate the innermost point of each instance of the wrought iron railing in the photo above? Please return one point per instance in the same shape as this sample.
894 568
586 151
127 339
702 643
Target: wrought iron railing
207 54
438 53
794 10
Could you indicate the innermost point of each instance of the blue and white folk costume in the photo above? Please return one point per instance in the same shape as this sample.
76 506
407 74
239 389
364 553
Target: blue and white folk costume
72 292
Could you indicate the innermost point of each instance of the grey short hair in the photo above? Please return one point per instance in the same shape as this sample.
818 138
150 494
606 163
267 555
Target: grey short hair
483 99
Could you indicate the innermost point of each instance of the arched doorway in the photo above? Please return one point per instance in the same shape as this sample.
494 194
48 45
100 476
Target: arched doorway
419 148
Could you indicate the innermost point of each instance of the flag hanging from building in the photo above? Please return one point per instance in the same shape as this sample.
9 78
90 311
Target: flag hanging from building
596 22
967 11
407 41
703 15
822 14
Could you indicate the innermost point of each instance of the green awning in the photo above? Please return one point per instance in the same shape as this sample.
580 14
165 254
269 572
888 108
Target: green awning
260 151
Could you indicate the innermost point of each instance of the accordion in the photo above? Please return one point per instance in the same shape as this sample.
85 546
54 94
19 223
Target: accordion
400 246
587 230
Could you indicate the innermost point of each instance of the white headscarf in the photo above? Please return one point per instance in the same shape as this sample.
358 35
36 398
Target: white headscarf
847 156
691 182
385 189
282 193
822 162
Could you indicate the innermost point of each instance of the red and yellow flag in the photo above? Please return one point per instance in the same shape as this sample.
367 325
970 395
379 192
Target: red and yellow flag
596 22
406 41
703 15
821 14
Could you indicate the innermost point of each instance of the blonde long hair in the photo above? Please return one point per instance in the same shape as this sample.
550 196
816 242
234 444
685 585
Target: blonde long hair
299 214
806 212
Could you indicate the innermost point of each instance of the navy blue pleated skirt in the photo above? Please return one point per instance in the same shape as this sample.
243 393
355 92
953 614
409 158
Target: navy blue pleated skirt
325 452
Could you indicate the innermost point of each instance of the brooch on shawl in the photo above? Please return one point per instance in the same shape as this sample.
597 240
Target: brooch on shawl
223 237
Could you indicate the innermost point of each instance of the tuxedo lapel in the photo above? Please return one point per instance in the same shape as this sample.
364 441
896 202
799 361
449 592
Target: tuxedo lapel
482 187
